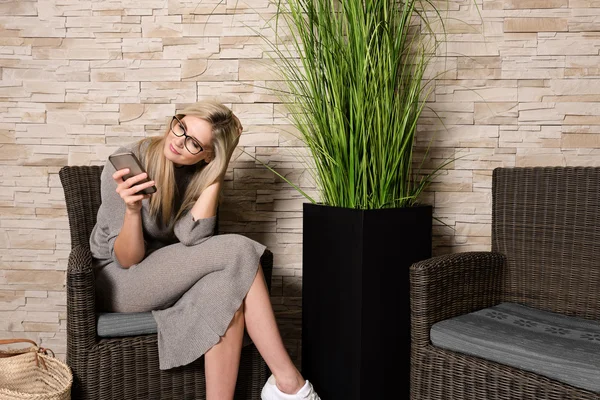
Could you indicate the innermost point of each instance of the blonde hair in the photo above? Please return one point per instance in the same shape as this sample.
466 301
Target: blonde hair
225 136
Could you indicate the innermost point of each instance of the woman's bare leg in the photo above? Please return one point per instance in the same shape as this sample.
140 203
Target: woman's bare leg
222 361
264 332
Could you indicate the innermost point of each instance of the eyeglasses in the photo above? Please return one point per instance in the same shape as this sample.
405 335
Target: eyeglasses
191 144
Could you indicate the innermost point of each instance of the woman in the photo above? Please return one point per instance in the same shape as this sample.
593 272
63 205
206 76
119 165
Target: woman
156 252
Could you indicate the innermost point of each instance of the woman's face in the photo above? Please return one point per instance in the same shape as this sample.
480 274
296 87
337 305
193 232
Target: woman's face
189 141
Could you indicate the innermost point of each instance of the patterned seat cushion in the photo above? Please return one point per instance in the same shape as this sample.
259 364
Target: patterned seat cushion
562 348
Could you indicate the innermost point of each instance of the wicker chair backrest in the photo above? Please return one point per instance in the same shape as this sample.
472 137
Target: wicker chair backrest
81 185
546 220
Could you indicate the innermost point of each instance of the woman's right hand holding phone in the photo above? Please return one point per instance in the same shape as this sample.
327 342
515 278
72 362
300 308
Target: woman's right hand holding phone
128 189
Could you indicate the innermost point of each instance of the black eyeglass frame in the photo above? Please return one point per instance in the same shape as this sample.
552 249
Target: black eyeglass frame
187 137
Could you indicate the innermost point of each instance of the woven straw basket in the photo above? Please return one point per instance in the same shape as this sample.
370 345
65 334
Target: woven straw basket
33 374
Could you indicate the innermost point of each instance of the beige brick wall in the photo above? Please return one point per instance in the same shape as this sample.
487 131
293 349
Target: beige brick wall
77 79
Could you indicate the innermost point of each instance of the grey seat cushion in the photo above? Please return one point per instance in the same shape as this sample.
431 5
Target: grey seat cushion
125 324
562 348
110 325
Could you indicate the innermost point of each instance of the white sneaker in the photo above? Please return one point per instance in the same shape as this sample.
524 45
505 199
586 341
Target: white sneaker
271 392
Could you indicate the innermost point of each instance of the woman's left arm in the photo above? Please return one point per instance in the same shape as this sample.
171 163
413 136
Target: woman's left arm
207 203
199 223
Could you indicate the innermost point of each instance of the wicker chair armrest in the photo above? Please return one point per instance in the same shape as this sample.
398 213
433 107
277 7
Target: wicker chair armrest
81 301
80 260
450 285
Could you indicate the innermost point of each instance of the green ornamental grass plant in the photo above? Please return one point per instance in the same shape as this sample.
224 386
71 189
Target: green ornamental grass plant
355 70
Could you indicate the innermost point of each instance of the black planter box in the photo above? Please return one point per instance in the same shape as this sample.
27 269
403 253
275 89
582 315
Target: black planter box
355 298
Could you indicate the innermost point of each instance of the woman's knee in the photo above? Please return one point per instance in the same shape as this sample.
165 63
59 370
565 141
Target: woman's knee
240 248
241 242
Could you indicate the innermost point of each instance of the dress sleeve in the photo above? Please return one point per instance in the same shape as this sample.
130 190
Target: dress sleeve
191 232
112 209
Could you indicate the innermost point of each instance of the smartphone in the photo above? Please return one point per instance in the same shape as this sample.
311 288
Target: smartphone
129 160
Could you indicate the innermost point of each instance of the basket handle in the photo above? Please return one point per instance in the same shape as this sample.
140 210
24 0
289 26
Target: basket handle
11 341
40 350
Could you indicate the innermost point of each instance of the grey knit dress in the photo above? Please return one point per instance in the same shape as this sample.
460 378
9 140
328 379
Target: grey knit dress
192 281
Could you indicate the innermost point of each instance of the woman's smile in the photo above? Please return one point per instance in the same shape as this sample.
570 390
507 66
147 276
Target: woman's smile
174 150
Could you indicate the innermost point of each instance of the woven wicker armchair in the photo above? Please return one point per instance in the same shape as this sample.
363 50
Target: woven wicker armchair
126 367
545 254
